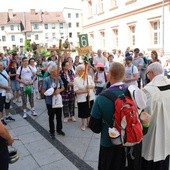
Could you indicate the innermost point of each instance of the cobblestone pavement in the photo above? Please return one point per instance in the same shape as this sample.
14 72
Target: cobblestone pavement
76 150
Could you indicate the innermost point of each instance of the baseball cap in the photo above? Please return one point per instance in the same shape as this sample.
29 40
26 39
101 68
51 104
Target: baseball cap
100 65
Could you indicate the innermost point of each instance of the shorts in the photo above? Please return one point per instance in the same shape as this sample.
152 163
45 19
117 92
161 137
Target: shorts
2 103
24 97
15 85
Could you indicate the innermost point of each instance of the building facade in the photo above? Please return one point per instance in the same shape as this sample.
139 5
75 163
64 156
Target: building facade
73 18
43 28
115 24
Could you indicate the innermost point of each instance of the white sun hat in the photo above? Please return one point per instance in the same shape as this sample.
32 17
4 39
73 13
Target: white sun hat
138 96
49 92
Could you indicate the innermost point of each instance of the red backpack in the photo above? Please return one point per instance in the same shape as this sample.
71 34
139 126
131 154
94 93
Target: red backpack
125 120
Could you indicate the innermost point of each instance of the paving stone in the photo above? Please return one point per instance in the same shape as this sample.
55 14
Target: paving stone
22 150
23 130
38 146
62 164
47 156
92 154
24 163
30 137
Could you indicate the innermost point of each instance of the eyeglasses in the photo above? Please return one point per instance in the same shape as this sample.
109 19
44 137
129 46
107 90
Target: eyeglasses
148 72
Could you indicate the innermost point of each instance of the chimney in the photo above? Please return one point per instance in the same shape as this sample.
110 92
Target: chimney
10 13
32 11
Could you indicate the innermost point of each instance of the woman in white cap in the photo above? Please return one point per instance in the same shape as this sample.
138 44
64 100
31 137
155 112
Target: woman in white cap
100 78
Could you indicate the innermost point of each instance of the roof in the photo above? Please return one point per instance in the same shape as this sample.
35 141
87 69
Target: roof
27 18
15 18
52 17
3 18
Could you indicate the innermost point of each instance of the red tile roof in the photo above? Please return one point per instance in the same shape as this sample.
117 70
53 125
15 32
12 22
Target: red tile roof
3 18
52 17
26 18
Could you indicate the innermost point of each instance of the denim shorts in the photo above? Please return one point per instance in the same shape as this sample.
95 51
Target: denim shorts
15 85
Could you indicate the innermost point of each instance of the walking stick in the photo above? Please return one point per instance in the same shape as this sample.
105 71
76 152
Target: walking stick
86 62
58 62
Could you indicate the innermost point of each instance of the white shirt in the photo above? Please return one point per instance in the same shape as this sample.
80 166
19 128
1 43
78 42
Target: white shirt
80 84
26 74
129 73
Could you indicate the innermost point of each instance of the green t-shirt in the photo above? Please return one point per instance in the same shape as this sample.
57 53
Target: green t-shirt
103 108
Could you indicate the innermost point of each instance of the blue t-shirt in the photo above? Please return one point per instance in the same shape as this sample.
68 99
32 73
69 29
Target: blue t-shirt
49 82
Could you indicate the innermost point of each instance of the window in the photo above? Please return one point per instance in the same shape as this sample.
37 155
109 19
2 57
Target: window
12 27
70 34
113 3
12 37
155 32
77 15
62 35
36 26
3 38
21 40
102 39
36 37
100 6
61 25
69 15
69 24
2 28
92 39
90 9
46 35
18 27
115 37
46 45
78 33
77 24
13 47
28 35
53 26
132 29
46 26
53 35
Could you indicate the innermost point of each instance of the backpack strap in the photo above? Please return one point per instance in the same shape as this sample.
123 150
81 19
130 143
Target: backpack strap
20 72
4 76
109 95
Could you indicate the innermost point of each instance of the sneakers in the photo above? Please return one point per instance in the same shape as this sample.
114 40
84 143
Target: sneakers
52 135
10 118
3 122
25 115
61 133
34 113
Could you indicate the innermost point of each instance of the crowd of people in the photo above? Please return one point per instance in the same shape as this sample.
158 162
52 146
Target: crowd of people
65 86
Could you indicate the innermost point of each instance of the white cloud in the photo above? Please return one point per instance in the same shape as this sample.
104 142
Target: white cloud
26 5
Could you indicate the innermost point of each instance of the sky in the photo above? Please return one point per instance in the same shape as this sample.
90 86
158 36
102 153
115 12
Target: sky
45 5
